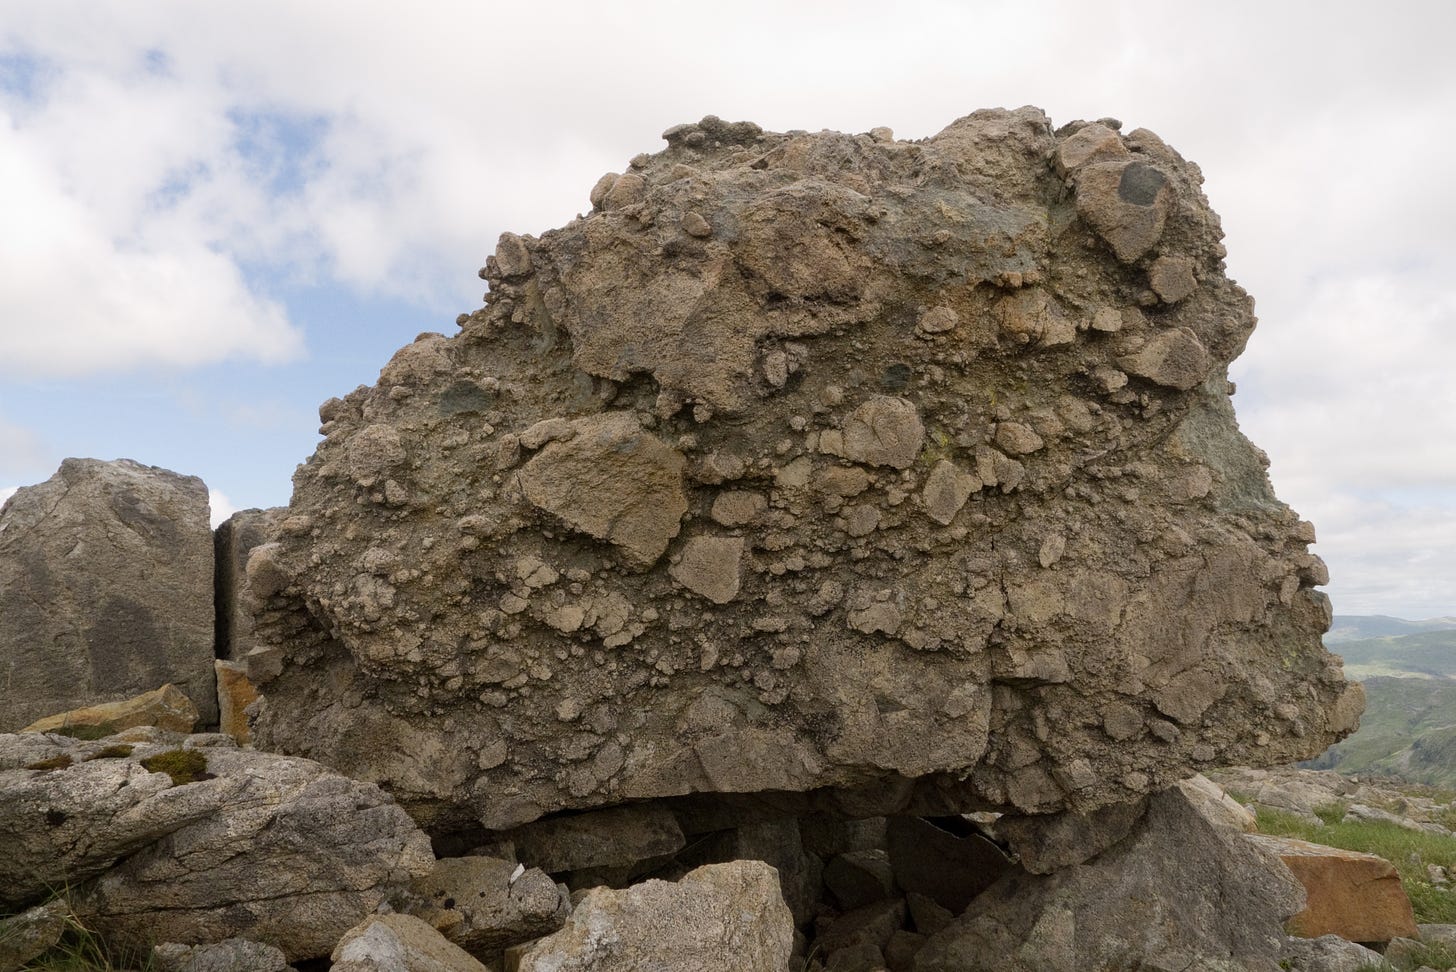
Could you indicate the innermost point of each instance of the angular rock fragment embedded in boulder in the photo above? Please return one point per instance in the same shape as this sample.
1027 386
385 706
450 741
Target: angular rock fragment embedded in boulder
812 463
106 590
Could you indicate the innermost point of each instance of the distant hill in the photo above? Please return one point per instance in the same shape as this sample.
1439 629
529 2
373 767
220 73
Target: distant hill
1357 627
1409 672
1408 730
1431 654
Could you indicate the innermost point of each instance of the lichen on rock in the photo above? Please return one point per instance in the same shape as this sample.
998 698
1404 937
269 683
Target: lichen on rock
820 463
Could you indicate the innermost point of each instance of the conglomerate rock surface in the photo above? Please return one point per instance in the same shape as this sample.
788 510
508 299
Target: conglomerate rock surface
812 462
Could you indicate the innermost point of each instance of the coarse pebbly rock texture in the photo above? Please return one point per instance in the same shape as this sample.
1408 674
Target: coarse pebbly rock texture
106 590
820 463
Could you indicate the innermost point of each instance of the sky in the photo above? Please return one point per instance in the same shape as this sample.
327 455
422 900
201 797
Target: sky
215 216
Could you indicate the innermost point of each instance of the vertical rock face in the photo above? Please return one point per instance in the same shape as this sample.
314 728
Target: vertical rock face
105 590
812 462
234 541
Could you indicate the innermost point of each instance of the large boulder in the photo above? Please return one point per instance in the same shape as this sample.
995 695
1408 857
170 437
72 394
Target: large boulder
1180 892
167 838
105 590
812 462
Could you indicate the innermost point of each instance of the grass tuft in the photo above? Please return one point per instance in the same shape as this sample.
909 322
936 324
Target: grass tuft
118 751
63 761
79 949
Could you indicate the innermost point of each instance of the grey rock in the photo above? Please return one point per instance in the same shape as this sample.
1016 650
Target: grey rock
234 541
872 924
228 955
399 943
483 904
616 835
777 843
1438 934
275 849
515 597
1049 843
858 878
1328 953
856 958
29 934
718 918
1176 893
106 590
950 868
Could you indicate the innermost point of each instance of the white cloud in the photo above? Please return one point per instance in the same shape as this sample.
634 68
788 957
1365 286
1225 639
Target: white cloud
91 287
221 506
23 454
7 492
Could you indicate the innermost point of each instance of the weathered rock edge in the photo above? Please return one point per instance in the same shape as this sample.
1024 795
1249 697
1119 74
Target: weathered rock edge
811 462
277 849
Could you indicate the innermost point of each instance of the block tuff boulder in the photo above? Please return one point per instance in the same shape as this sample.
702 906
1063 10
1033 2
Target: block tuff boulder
812 463
105 590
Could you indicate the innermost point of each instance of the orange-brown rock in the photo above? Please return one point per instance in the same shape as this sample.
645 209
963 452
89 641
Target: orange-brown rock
166 708
234 694
1356 896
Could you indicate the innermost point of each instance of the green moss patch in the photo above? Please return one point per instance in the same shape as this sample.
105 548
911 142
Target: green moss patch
118 751
54 763
183 765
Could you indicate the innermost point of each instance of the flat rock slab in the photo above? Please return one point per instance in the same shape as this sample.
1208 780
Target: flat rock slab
812 463
166 708
1356 896
106 588
276 849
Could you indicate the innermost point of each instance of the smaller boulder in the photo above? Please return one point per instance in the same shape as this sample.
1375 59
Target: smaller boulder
31 933
484 903
399 943
1356 896
228 955
718 918
166 708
